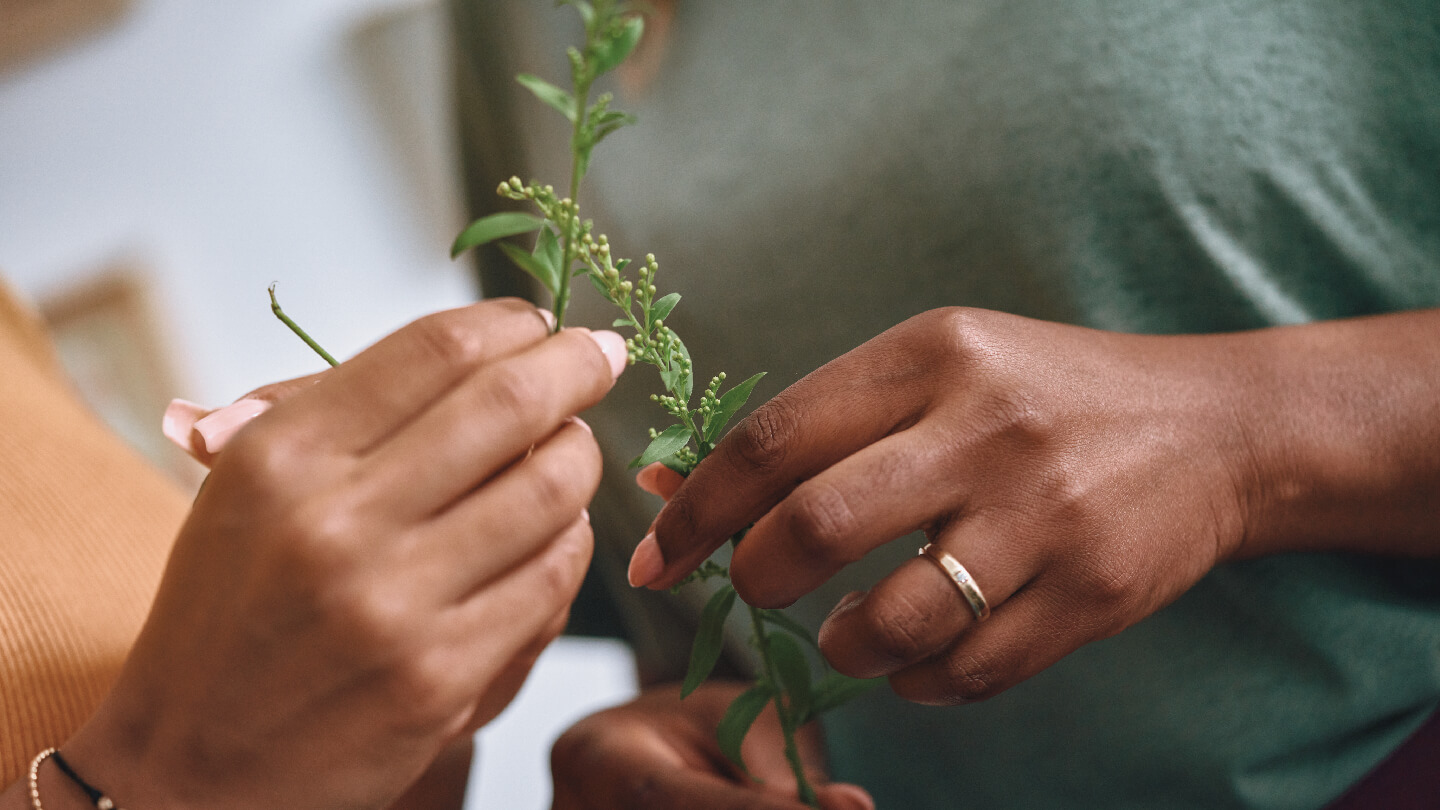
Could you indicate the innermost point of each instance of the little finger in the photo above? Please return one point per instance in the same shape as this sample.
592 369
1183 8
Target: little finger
511 613
1031 632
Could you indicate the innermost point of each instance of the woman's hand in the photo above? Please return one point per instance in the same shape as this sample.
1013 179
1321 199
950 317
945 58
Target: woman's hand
660 752
368 573
1083 478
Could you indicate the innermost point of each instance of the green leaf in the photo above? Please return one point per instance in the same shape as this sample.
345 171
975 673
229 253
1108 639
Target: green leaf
662 308
738 719
794 672
836 690
599 287
620 322
685 378
609 123
779 619
730 402
547 250
664 446
709 639
582 161
550 94
495 226
610 53
531 265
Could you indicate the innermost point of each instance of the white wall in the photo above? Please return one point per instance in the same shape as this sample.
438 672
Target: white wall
226 144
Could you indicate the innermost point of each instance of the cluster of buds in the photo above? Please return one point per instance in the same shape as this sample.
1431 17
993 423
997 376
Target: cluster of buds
517 190
710 400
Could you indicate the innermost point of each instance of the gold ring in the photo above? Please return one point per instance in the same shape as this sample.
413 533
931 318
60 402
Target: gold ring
962 579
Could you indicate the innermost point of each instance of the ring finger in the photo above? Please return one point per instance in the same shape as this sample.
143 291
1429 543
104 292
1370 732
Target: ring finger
918 611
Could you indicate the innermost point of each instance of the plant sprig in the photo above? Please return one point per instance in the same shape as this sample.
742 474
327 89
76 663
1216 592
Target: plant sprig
566 246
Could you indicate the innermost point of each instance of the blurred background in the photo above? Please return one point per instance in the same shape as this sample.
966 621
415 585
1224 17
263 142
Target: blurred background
162 162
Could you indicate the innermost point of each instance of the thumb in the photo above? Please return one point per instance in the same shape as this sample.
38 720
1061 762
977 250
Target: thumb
203 432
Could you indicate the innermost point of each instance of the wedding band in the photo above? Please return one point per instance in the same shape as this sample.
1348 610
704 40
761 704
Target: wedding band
962 579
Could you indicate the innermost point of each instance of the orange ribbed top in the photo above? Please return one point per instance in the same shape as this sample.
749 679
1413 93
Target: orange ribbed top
85 527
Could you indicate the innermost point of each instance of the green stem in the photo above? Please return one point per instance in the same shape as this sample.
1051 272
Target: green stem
562 296
787 721
295 327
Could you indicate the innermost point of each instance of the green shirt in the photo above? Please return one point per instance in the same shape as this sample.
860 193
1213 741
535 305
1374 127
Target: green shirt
812 172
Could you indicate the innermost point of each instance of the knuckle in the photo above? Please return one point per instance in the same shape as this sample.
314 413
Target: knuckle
820 522
556 485
516 393
893 627
761 440
373 618
561 573
447 338
969 679
321 541
265 459
423 686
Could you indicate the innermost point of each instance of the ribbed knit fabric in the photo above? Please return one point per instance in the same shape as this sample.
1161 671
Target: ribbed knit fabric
85 528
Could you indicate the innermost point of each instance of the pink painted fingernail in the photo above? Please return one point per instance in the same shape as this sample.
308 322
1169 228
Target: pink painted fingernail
548 317
585 515
614 348
647 564
580 423
179 422
217 428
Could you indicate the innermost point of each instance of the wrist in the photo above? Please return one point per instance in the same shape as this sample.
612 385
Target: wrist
118 757
1337 440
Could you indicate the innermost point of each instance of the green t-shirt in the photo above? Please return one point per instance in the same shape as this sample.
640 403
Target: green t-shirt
812 172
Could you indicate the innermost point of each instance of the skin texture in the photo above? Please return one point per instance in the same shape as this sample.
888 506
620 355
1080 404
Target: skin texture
660 752
1084 478
366 577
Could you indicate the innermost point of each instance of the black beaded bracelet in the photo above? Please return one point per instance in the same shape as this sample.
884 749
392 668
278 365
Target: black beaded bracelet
99 799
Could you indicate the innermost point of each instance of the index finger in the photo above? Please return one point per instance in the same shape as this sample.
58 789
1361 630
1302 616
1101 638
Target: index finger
403 373
820 420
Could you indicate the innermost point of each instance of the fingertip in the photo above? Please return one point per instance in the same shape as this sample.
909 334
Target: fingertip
845 796
612 345
178 424
657 479
647 563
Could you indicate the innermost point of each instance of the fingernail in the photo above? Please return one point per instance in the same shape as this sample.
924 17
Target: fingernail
657 479
179 421
217 428
580 423
548 317
585 514
646 565
614 348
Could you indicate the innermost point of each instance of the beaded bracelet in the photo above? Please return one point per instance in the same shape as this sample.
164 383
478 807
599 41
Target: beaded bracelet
98 798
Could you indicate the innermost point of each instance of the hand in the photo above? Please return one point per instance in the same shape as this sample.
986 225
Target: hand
368 573
660 752
1084 478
